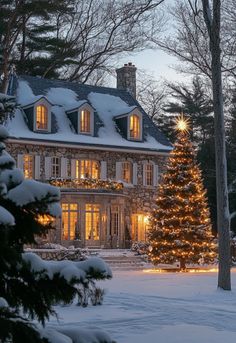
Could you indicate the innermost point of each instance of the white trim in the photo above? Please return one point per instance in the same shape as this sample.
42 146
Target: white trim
37 173
135 173
89 108
47 166
20 161
46 103
64 167
86 147
73 168
103 170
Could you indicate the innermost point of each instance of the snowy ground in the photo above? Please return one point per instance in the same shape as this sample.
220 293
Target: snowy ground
160 308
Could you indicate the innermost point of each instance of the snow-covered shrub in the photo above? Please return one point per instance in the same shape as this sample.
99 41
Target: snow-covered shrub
141 248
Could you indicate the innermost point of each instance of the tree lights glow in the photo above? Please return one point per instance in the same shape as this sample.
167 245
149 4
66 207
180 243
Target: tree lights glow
182 124
180 224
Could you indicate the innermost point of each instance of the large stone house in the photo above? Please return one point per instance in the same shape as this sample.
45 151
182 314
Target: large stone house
99 146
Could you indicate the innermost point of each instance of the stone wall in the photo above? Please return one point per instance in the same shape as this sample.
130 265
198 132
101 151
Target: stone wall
138 198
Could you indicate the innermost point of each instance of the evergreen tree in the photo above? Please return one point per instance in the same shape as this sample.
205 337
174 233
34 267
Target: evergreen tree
181 227
29 286
196 103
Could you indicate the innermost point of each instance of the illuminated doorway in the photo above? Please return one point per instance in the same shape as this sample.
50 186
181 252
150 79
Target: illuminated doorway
140 227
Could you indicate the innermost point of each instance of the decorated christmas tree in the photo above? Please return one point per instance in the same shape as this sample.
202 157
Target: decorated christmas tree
180 224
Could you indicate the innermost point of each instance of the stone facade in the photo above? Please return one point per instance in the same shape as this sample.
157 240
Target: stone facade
133 203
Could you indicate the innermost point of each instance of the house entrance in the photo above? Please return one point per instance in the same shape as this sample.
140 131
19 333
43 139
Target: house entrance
92 224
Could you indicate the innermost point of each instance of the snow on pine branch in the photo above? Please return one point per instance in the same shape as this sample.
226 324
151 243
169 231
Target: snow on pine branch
30 191
68 269
6 218
73 334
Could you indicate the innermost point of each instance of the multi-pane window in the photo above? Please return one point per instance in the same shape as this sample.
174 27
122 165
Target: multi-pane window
126 172
148 174
55 167
85 121
87 169
41 117
134 126
114 220
69 221
92 222
28 166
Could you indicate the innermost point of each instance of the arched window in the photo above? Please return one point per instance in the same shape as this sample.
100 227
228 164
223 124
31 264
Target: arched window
41 117
85 118
134 127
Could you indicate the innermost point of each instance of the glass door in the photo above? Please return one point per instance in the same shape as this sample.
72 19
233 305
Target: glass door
92 224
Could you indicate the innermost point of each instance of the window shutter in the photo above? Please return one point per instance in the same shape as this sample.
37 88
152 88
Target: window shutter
37 167
20 162
73 169
144 174
103 170
155 175
64 169
118 171
135 174
48 166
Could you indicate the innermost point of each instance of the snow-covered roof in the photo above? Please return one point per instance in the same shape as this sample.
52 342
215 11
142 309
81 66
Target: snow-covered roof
108 103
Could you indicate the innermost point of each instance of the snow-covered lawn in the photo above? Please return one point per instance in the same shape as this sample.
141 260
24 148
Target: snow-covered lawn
160 308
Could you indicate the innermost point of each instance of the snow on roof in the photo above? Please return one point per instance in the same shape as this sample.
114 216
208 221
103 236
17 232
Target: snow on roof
107 103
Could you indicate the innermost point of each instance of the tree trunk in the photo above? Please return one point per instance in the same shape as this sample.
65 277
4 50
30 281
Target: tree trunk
213 26
182 264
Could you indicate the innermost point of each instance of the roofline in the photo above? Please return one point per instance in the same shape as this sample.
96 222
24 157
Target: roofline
65 144
34 102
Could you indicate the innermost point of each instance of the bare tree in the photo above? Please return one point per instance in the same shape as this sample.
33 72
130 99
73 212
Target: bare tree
212 18
83 43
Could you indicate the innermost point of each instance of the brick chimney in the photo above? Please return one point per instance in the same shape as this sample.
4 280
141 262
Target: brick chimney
126 78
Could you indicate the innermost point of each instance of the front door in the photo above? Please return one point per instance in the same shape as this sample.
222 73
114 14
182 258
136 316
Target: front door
92 224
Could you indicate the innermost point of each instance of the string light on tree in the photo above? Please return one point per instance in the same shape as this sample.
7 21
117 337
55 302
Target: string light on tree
180 224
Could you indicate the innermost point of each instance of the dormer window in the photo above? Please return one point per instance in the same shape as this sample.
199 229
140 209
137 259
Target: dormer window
134 127
41 118
85 121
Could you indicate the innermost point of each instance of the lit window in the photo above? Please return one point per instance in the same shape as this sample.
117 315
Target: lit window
28 166
41 117
126 172
55 165
92 222
134 126
87 169
148 174
85 121
140 227
69 221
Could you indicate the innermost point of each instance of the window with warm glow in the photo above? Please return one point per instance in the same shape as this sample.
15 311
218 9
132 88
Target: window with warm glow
140 227
134 127
92 222
41 117
55 167
87 169
85 117
28 166
126 172
148 174
69 221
